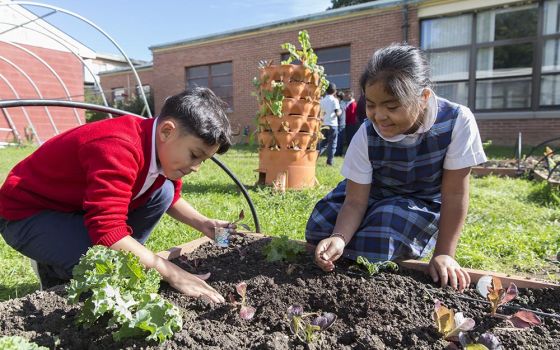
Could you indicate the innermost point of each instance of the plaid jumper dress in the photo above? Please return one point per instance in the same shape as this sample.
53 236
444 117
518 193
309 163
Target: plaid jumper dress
402 217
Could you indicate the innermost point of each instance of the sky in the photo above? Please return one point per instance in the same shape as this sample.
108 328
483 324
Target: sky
137 24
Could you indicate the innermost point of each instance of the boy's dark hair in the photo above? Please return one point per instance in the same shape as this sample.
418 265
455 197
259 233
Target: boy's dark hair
201 113
402 68
331 89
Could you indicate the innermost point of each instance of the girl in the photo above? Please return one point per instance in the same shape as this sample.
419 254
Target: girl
109 183
407 173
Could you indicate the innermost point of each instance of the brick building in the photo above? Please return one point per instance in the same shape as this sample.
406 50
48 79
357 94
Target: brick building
499 57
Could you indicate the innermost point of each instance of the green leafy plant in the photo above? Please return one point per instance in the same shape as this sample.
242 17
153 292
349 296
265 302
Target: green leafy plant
304 328
16 342
307 57
118 285
282 249
375 268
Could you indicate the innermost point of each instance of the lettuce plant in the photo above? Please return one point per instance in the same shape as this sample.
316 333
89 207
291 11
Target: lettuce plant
246 312
491 288
116 284
305 326
449 323
241 218
486 341
282 249
16 342
375 268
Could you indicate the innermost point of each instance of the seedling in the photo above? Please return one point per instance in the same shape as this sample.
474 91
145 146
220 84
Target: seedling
491 288
245 312
282 249
241 218
305 328
449 323
486 341
374 268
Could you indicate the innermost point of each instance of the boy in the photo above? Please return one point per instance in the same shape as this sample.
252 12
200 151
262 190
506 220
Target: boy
110 182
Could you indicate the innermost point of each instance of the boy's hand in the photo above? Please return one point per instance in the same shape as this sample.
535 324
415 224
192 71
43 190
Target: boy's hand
445 269
328 251
210 224
193 286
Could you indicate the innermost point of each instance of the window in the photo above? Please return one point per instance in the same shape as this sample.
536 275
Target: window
336 61
447 41
217 77
147 90
488 60
118 94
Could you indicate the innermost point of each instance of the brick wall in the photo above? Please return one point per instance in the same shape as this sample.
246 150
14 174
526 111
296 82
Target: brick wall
364 34
375 30
127 81
66 65
505 131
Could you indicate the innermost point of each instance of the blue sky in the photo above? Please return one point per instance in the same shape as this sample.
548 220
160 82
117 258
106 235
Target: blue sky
136 25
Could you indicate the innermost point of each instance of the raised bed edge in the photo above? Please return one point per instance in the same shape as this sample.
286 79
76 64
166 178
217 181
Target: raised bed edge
521 282
497 171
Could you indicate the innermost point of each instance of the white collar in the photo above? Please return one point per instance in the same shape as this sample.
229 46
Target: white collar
154 169
429 120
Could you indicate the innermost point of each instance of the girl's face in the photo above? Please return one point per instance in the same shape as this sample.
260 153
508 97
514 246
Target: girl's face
179 153
388 114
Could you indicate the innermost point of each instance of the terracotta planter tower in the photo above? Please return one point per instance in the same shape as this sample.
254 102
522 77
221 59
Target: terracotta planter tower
289 118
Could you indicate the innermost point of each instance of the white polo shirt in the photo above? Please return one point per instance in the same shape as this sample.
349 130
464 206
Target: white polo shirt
329 104
465 149
153 171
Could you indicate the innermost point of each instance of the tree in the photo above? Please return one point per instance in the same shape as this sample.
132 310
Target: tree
343 3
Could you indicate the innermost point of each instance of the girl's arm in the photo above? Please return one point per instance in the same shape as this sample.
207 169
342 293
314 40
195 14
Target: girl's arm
347 222
454 206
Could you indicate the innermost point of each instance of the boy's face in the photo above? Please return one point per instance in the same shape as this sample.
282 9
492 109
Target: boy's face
179 153
387 113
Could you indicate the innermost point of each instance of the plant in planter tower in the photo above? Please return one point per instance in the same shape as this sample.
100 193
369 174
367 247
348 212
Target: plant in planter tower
288 117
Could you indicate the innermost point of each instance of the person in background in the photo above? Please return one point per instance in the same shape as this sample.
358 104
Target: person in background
109 183
350 112
406 186
331 111
341 138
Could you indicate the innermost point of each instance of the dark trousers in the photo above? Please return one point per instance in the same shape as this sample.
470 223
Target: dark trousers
340 141
328 144
58 240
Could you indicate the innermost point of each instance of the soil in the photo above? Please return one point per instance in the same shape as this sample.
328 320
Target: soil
388 311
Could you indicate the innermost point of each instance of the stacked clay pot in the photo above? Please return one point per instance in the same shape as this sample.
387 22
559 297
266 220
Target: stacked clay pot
288 142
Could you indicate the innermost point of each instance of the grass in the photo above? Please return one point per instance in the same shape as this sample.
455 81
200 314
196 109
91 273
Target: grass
513 224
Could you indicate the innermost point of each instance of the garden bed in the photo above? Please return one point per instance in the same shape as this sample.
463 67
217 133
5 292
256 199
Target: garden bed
389 311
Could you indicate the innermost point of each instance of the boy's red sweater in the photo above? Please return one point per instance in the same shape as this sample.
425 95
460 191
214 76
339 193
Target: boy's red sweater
96 169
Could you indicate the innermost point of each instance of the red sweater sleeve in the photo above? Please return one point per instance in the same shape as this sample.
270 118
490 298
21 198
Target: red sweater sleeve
111 166
178 187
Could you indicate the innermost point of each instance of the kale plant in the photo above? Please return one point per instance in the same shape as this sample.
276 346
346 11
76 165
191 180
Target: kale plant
117 284
16 342
374 268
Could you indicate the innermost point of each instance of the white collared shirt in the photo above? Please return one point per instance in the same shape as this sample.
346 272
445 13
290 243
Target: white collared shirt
465 149
153 171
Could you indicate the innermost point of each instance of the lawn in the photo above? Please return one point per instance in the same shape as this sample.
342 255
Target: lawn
513 224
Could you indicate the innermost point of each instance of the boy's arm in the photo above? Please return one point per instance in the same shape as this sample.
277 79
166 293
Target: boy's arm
454 206
178 278
182 211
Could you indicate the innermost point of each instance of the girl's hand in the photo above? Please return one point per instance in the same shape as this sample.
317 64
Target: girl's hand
210 224
445 269
328 251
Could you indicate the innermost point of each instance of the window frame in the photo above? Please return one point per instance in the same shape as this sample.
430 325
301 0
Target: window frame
538 42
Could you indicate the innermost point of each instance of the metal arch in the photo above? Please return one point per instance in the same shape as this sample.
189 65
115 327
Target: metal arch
27 117
59 41
30 3
49 67
34 86
73 104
